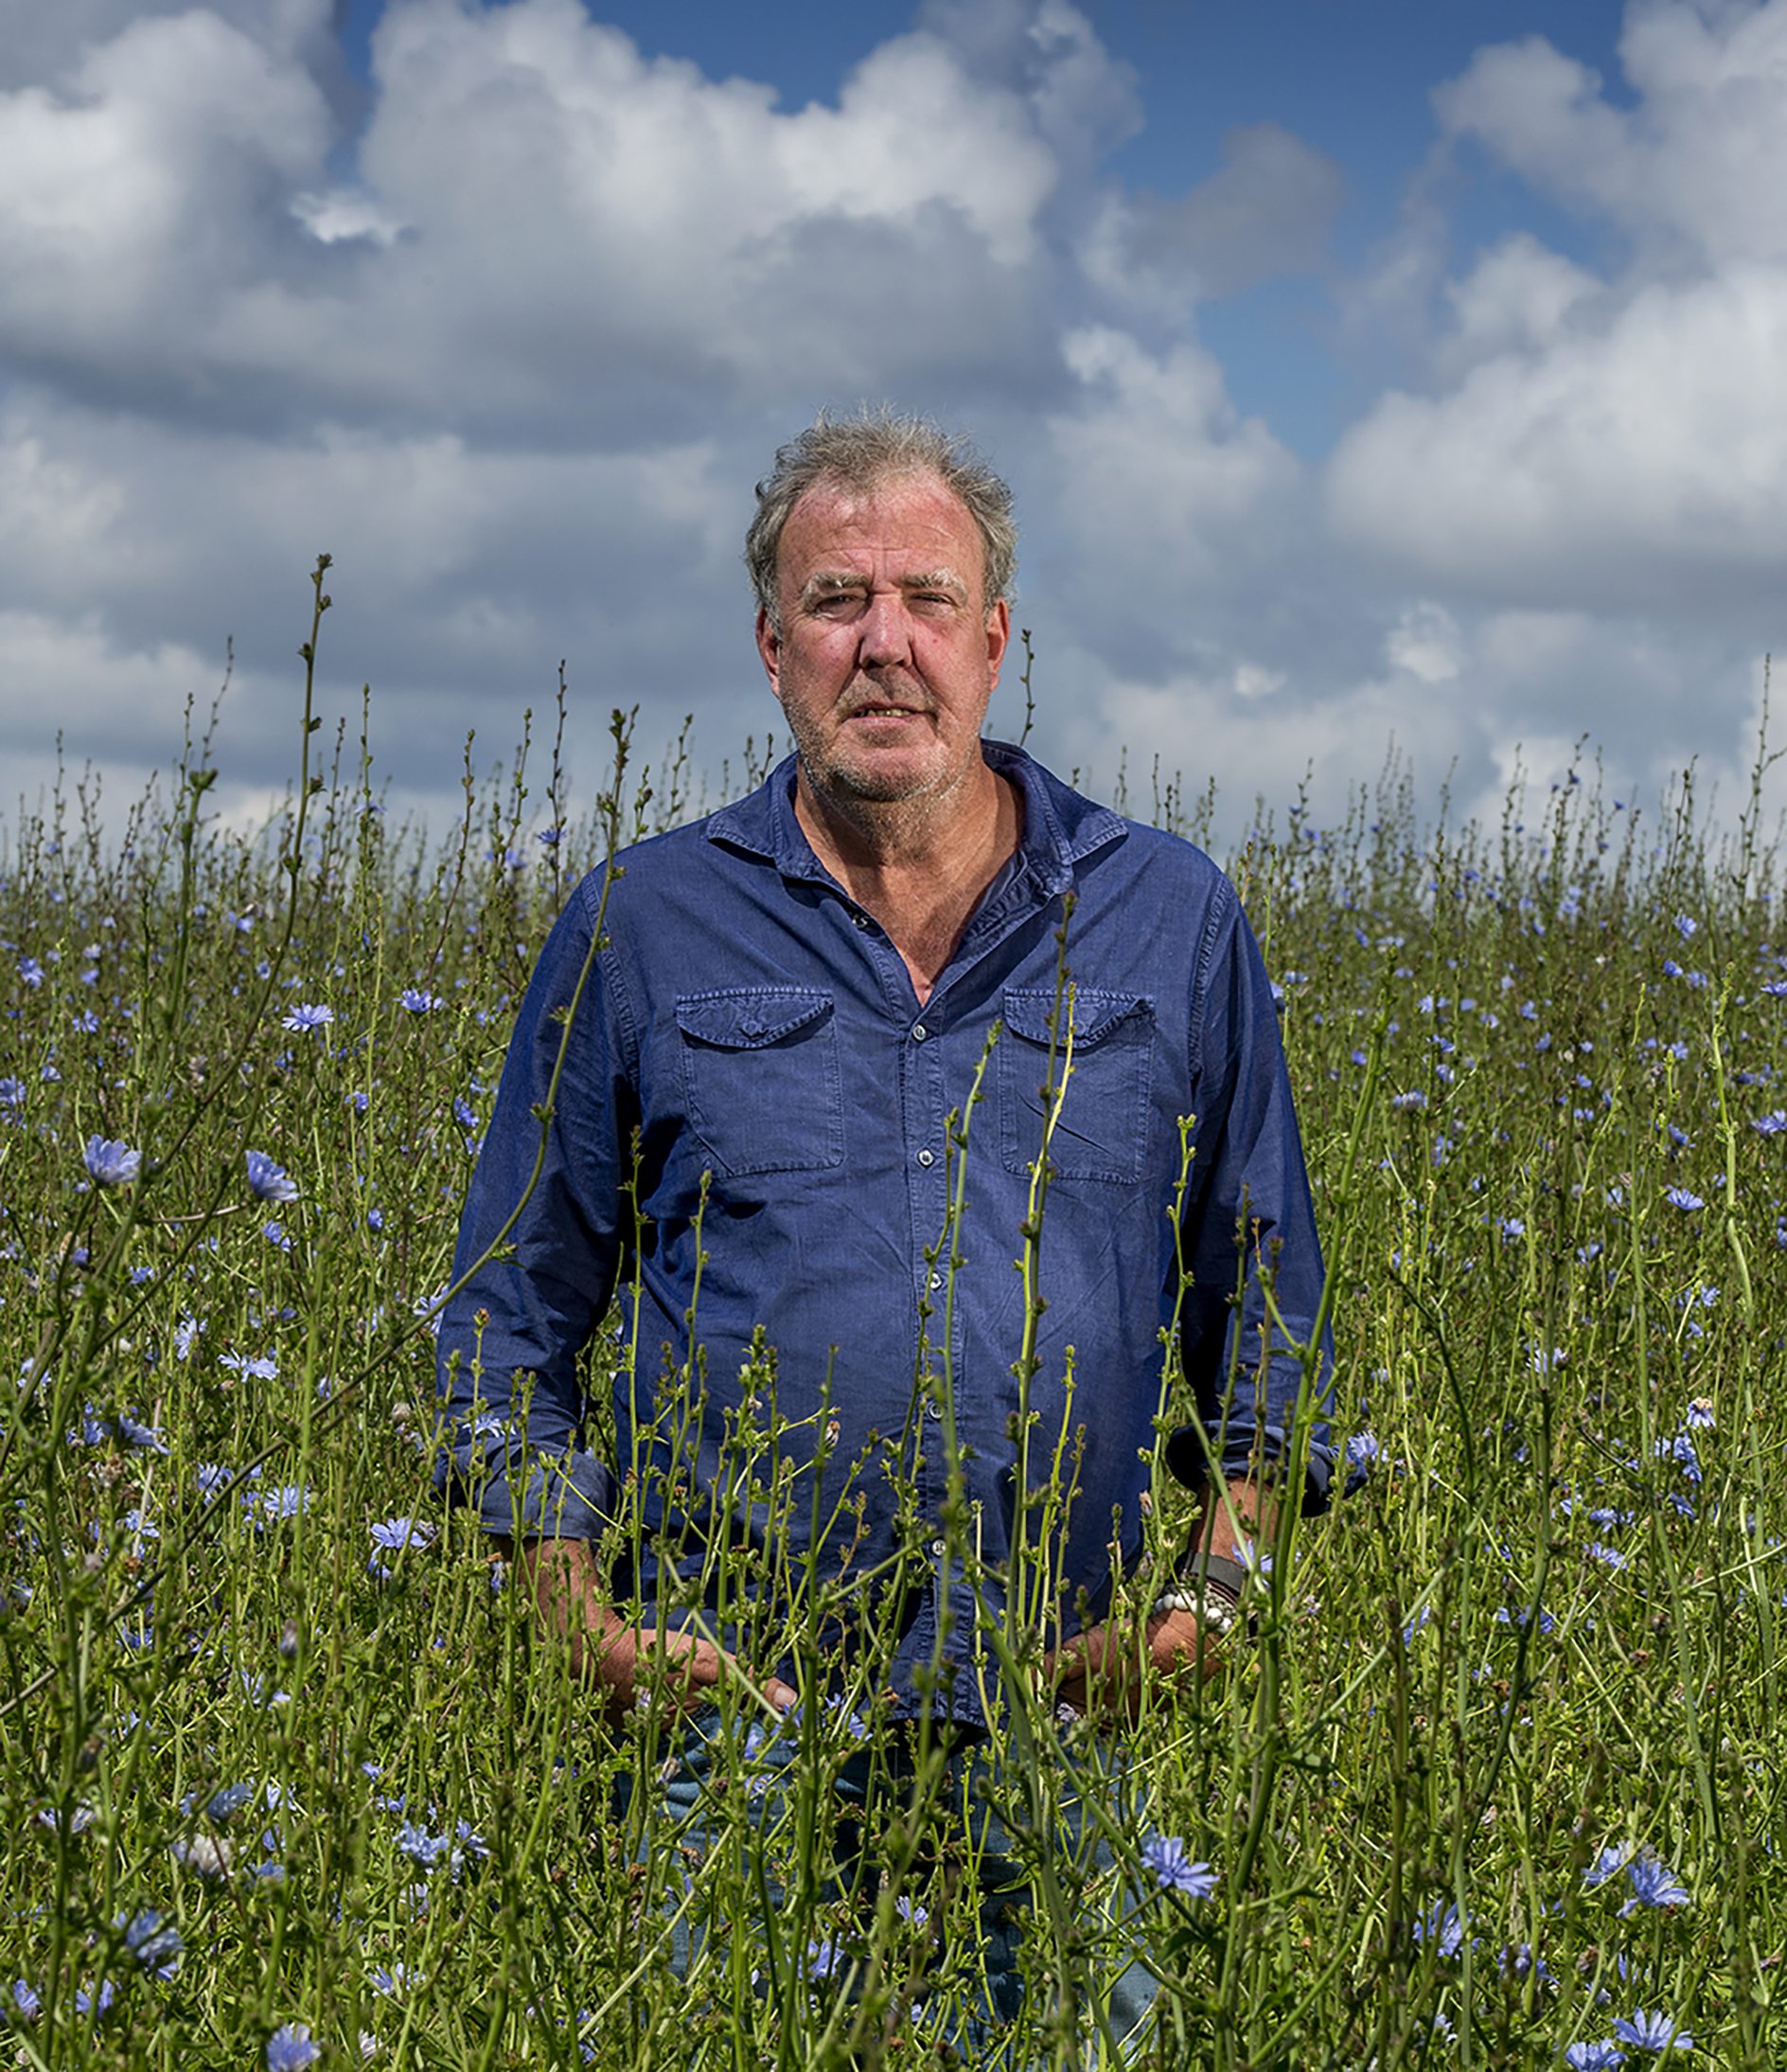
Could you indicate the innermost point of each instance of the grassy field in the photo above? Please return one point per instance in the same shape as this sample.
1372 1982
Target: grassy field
288 1782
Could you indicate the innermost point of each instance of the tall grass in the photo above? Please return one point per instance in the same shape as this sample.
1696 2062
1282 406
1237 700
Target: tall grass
286 1770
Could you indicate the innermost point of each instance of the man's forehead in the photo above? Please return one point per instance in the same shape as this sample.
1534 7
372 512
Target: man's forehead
837 527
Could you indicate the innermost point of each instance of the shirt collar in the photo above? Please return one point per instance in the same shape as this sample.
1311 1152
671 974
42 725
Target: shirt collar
1061 827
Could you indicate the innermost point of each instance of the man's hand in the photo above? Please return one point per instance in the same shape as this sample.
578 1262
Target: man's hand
565 1583
1103 1672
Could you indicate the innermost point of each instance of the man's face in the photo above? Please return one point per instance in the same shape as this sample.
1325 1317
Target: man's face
886 655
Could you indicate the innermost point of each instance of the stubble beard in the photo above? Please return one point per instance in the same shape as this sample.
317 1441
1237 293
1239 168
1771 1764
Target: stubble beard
846 780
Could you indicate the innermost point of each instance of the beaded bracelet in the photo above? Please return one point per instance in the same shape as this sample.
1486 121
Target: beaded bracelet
1219 1613
1221 1584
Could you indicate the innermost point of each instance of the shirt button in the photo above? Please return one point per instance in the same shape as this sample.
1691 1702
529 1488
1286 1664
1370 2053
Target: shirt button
939 1549
860 919
937 1279
919 1032
927 1157
933 1410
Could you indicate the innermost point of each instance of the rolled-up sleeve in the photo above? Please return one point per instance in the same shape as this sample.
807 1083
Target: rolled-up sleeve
1248 1221
512 1438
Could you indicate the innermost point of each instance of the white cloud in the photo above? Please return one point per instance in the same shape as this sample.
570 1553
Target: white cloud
513 342
1695 171
1167 496
591 234
1517 298
1643 464
130 199
1617 442
1252 681
1198 728
39 43
1268 210
341 214
1425 642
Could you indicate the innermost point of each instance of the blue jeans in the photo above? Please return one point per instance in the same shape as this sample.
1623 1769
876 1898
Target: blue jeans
857 1852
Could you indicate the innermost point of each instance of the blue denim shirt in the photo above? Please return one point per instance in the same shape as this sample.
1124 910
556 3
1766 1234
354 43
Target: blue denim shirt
753 1130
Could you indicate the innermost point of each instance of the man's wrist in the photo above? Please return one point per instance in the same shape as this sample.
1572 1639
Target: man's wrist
1230 1576
1208 1587
1215 1611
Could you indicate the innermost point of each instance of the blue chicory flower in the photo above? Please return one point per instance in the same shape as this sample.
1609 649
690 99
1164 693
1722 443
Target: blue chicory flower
396 1533
224 1805
1654 1884
825 1959
264 1368
421 1846
1681 1450
1444 1925
153 1941
1519 1961
290 2048
112 1164
307 1015
1653 2032
268 1181
1164 1858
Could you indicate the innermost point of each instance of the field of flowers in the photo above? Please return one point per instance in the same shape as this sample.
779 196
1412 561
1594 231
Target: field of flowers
288 1781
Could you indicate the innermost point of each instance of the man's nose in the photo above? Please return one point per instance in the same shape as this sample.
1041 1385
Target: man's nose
885 631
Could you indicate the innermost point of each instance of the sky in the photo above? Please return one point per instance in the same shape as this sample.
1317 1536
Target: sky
1381 383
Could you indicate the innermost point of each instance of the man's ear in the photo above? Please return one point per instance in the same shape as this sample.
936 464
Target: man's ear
999 637
769 650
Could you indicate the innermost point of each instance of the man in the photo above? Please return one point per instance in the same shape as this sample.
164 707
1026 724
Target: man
779 1131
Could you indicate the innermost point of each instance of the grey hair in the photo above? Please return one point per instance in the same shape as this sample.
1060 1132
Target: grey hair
862 451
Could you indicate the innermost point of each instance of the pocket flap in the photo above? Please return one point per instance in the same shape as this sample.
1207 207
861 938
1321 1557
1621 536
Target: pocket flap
1095 1013
748 1018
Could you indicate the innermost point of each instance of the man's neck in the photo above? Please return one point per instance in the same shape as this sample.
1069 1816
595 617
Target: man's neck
919 866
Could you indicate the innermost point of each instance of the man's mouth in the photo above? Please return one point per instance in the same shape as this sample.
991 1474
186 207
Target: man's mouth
885 708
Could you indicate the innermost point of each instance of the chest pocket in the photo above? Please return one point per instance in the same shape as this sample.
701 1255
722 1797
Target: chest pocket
1102 1131
761 1078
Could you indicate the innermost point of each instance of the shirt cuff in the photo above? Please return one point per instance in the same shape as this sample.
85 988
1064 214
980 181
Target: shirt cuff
564 1497
1188 1450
